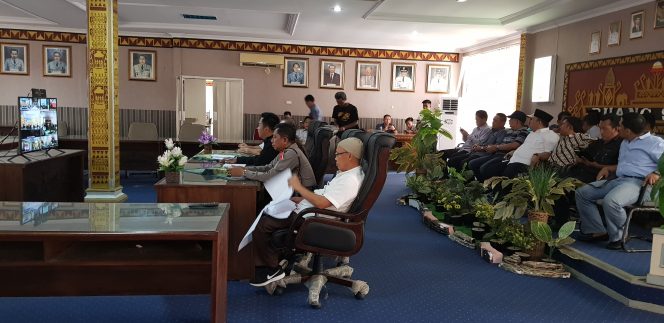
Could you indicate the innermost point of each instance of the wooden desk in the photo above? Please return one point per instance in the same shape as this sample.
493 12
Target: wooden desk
242 196
58 249
53 176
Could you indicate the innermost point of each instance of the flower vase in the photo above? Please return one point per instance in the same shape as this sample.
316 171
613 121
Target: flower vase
207 149
173 177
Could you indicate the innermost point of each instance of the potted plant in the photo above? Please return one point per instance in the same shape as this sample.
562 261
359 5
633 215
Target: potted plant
172 162
206 140
420 154
543 233
537 191
421 186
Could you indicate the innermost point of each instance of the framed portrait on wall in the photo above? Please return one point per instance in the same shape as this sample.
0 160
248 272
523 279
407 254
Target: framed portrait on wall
15 58
142 65
615 28
659 14
636 25
438 78
331 74
595 42
296 72
367 76
403 77
56 60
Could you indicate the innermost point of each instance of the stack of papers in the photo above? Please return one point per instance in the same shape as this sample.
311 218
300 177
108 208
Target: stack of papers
281 206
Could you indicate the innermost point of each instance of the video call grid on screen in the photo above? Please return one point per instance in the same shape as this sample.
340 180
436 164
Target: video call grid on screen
38 126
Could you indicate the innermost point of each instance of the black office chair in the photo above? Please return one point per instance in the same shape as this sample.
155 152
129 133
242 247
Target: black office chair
320 154
311 132
337 238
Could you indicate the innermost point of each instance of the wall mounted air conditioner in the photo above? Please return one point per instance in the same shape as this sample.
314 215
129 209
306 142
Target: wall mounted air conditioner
261 60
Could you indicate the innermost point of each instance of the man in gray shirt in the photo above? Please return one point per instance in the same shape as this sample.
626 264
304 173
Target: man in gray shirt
477 137
314 110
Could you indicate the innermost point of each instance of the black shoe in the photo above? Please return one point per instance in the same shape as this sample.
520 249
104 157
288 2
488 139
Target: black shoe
614 245
589 237
267 276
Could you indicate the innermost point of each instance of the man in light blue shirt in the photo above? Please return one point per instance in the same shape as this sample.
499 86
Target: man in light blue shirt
637 166
314 111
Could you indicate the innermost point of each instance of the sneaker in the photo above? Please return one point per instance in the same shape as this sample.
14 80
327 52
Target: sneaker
268 276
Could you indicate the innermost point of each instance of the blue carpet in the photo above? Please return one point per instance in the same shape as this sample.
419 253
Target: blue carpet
415 275
139 188
637 263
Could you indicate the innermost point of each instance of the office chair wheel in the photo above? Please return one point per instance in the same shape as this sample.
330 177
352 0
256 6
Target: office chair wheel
278 291
359 295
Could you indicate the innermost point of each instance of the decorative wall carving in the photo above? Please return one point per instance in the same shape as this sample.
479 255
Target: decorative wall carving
53 36
616 85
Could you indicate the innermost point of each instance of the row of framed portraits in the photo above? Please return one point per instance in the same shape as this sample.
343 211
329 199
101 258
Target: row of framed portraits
636 28
367 75
56 61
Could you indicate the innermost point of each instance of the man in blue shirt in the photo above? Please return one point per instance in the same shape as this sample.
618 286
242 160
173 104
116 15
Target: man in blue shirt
314 110
637 166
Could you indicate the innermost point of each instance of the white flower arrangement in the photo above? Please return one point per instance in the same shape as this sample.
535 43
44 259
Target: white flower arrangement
172 160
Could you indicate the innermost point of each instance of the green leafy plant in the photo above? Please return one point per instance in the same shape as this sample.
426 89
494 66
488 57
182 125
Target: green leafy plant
484 212
658 188
513 232
539 190
420 154
542 232
420 185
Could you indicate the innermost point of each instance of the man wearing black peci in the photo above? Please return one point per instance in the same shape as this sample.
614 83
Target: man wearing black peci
267 124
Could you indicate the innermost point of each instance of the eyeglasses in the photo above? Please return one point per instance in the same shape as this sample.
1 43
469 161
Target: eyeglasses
337 154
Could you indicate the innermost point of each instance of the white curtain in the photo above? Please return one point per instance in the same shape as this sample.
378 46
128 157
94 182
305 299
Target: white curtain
229 110
489 82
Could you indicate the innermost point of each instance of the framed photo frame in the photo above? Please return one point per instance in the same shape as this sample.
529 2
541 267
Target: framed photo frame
296 72
15 58
56 60
367 76
615 29
636 25
438 78
595 42
142 65
659 14
332 74
403 77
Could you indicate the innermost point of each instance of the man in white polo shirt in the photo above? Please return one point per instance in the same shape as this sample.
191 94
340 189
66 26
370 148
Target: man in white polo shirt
541 140
337 195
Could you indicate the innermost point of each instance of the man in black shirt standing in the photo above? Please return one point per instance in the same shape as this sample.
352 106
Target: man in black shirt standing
265 130
344 114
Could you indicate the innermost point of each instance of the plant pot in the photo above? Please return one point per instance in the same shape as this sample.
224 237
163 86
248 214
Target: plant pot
468 219
173 177
512 250
498 244
538 216
456 219
478 233
207 149
537 251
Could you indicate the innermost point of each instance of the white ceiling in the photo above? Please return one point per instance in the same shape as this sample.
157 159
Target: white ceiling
427 25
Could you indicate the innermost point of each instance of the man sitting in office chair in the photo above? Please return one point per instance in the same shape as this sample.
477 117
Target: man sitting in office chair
337 195
637 166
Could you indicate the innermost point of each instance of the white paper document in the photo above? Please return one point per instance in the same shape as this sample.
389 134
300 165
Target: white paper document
228 166
281 206
220 157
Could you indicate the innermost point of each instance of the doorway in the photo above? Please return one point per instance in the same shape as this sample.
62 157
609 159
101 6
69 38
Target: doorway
210 103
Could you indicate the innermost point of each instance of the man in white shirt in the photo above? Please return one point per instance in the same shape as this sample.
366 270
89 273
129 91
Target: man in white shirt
337 195
541 140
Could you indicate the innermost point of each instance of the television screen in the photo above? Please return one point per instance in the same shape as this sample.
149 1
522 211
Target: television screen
38 126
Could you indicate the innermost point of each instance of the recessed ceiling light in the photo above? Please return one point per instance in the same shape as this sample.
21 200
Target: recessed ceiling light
462 0
337 8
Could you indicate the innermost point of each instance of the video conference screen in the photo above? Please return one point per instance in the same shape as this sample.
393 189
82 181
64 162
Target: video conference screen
38 127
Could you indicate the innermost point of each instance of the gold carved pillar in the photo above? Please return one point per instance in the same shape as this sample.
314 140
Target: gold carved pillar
520 87
104 110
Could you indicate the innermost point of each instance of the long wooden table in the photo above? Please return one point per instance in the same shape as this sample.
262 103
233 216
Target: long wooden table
140 155
69 249
243 197
55 175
